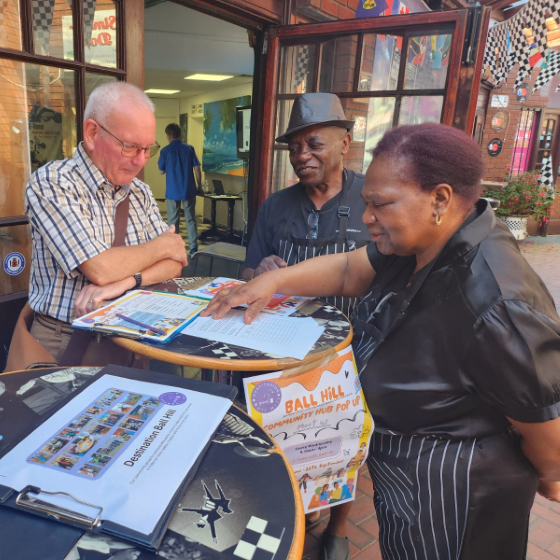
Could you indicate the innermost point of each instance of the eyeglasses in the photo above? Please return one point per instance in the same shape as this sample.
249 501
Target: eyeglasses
313 223
130 150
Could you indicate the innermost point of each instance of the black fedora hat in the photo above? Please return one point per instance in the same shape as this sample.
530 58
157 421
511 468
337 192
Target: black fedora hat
315 108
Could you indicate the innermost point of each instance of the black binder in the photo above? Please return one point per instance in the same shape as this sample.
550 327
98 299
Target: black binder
33 500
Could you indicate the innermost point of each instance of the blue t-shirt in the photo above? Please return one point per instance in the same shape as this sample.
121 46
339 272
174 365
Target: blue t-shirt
178 160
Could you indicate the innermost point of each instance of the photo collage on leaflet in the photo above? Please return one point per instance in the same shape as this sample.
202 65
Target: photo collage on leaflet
89 444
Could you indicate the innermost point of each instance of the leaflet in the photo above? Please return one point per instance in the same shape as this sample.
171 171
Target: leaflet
279 304
272 334
121 444
148 315
320 420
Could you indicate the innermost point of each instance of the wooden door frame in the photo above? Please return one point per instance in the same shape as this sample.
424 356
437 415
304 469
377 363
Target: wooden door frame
321 31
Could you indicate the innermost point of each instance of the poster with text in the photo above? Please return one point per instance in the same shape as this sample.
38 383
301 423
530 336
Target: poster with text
320 420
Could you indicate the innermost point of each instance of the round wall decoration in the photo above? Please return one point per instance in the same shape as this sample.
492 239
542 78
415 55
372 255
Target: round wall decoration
499 121
495 147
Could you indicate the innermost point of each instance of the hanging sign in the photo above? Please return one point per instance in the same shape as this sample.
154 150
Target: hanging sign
495 147
499 101
14 264
499 121
522 92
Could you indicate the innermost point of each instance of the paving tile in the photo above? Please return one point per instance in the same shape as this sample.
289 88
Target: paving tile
543 534
370 526
554 549
372 552
536 553
546 513
359 537
361 509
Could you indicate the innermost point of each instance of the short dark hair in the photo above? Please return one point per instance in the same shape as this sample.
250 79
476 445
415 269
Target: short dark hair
173 130
433 154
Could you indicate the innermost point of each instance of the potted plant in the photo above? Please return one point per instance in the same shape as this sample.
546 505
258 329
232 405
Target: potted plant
523 197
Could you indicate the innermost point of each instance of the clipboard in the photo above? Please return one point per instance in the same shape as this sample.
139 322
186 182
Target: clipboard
34 500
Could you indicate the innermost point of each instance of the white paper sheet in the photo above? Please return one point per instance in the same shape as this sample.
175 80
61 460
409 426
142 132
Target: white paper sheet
283 336
138 481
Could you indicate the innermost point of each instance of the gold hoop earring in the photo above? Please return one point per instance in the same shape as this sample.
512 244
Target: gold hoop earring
438 220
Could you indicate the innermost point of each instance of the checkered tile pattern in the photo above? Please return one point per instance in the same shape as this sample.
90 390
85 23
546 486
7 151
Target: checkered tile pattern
42 23
547 175
302 68
89 14
225 352
533 14
552 68
260 541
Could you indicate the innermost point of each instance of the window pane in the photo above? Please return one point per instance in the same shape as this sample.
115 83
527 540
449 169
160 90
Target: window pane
283 116
381 57
338 62
427 61
100 32
419 109
379 120
15 239
53 28
297 65
37 125
282 171
10 25
95 80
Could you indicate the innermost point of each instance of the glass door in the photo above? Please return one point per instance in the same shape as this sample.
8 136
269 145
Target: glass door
387 71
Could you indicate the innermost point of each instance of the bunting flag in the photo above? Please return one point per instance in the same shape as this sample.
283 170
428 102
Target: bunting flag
42 23
371 8
546 74
509 36
303 59
89 15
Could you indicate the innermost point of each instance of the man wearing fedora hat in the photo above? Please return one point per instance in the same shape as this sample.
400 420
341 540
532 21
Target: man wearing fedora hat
322 213
319 215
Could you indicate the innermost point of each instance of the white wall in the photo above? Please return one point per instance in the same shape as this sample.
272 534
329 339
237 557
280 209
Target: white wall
195 138
167 111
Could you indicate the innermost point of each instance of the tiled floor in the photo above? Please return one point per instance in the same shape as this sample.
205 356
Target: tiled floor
544 536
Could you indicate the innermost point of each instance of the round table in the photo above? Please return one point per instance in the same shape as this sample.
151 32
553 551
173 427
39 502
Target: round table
189 351
242 462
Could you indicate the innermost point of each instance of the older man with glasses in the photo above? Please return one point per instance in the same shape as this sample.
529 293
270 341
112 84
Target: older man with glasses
319 215
96 228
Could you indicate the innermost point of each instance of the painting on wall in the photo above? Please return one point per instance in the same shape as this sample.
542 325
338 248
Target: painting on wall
219 148
183 123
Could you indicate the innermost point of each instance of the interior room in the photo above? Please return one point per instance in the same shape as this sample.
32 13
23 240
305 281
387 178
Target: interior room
197 70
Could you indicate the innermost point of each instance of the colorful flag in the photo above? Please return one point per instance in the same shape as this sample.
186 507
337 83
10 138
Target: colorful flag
371 8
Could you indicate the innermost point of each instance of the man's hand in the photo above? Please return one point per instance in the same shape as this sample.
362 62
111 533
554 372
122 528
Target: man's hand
271 262
550 490
92 295
174 246
257 294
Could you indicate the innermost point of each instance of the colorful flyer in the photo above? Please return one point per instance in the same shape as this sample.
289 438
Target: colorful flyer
279 304
321 422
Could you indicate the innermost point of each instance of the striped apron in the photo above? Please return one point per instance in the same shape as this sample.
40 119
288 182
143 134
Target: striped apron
294 250
438 498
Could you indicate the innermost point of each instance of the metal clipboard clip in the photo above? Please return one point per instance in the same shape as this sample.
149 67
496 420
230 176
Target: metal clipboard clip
25 500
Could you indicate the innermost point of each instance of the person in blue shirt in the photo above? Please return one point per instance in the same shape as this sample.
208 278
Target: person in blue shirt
179 163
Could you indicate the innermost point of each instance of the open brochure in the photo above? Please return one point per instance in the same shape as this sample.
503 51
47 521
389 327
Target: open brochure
279 304
149 315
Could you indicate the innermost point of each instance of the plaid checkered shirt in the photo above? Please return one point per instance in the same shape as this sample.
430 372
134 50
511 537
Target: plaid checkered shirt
71 208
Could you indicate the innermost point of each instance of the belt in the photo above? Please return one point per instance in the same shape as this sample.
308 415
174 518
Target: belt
53 324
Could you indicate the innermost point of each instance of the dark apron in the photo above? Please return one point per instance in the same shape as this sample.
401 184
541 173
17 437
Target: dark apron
437 498
294 250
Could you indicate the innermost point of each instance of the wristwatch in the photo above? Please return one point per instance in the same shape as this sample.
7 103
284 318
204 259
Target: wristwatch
138 279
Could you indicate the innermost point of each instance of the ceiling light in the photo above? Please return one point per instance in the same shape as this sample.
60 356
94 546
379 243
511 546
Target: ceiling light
209 77
165 91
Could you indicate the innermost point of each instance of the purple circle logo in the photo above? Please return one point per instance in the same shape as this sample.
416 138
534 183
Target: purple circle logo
172 398
266 397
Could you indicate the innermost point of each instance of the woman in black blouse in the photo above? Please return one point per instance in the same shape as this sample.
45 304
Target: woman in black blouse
458 345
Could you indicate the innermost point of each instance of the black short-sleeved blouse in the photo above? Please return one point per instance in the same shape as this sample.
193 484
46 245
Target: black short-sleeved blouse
479 341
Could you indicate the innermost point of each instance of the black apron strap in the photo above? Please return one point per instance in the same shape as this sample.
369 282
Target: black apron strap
79 340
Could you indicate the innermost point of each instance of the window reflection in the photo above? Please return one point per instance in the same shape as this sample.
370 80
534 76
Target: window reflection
427 61
38 124
297 65
10 25
420 109
381 57
53 28
95 80
100 32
